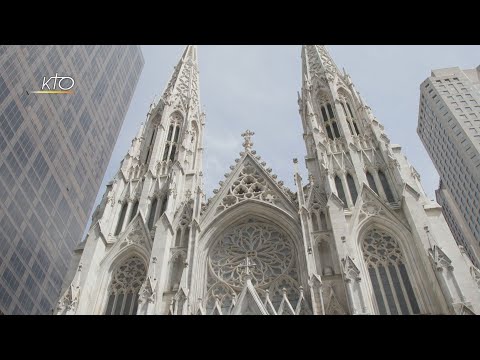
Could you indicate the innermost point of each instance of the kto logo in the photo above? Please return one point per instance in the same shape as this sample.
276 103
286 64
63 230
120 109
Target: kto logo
56 85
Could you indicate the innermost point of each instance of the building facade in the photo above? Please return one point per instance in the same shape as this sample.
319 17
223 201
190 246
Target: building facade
449 127
54 151
359 236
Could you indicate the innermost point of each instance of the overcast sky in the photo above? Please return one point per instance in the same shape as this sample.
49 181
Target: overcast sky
255 87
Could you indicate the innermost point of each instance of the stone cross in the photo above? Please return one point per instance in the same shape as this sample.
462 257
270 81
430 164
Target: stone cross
247 264
247 135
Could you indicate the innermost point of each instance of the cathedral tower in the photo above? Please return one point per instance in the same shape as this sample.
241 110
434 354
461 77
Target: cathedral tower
139 241
359 237
375 237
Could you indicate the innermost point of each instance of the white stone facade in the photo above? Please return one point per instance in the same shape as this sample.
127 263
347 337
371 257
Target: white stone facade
358 237
449 127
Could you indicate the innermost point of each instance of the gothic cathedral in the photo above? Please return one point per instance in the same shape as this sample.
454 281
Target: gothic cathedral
359 236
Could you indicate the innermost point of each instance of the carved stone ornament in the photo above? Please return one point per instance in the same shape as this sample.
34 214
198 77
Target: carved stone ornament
370 208
135 236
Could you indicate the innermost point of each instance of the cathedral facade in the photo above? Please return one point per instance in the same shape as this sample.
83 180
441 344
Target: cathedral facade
359 236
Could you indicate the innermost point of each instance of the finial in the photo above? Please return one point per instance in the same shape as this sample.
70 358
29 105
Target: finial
247 264
295 165
248 144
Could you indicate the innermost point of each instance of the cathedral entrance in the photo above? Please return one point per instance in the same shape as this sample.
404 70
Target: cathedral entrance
257 252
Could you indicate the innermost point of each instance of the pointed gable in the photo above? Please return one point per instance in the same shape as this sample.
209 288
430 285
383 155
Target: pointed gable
369 205
250 179
371 158
316 197
249 302
439 258
333 306
136 233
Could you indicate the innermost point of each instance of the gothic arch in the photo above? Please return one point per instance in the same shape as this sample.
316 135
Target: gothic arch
347 102
176 115
287 221
328 117
114 258
410 256
173 135
264 213
123 291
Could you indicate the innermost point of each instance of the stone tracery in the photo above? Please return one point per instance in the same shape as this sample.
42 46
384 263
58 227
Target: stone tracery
272 252
250 184
126 282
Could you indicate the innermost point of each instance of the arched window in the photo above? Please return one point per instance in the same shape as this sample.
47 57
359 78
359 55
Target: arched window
351 122
330 124
388 274
323 221
340 191
371 182
352 188
324 115
352 119
347 118
330 111
173 136
134 211
150 146
173 152
350 110
153 210
164 205
356 127
319 221
386 186
329 132
177 133
123 290
271 250
335 129
121 218
169 139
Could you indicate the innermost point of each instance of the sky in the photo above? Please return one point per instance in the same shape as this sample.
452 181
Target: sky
255 87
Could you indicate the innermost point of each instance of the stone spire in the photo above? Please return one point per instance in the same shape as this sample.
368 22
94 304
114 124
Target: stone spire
184 81
317 62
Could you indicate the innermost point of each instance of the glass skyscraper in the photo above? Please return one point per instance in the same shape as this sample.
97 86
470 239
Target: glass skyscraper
54 151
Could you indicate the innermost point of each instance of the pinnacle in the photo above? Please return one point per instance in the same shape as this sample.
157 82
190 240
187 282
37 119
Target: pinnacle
184 74
253 154
190 52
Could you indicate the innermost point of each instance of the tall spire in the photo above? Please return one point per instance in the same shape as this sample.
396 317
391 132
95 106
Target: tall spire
184 81
317 61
